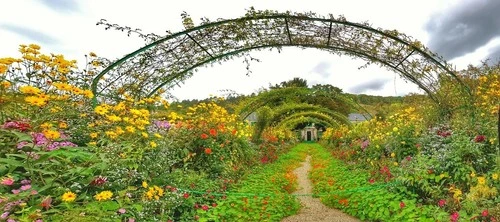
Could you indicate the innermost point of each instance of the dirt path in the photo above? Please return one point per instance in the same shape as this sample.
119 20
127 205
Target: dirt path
312 209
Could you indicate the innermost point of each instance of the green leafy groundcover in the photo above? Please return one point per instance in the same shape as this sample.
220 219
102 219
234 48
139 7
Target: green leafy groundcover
352 192
264 194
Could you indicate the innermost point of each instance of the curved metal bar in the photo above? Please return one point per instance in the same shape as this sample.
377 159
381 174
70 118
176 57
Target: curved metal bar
431 57
409 77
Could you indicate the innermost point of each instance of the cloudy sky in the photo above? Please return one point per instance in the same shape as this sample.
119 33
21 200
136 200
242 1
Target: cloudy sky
462 31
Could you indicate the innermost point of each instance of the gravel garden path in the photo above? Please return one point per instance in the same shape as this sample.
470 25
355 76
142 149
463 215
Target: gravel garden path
312 209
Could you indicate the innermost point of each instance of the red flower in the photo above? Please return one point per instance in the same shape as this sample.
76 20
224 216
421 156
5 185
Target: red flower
98 181
204 207
204 136
213 132
208 151
371 181
402 204
484 213
480 138
441 203
214 204
186 195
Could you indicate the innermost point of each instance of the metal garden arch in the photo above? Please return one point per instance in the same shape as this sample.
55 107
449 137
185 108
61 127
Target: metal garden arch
168 60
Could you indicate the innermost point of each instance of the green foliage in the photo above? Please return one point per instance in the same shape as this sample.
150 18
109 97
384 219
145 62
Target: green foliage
265 192
351 191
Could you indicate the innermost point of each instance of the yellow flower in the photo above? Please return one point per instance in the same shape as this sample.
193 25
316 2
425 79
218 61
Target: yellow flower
494 176
34 46
101 110
92 143
46 125
104 195
114 118
3 69
111 134
5 84
130 129
481 180
144 184
393 155
51 134
63 125
395 129
92 54
88 94
153 144
457 193
29 90
472 174
93 135
145 135
395 163
68 197
157 135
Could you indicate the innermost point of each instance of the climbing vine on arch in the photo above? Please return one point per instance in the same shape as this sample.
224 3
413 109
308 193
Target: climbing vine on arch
166 61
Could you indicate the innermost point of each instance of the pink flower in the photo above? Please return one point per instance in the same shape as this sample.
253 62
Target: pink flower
131 220
441 203
26 187
122 211
454 217
4 215
34 192
16 191
11 220
7 181
402 204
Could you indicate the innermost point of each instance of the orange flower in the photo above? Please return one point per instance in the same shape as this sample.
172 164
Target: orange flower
204 136
213 132
208 151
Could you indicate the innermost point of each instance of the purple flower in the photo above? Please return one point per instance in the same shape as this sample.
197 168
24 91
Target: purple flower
162 124
22 144
39 139
25 182
57 145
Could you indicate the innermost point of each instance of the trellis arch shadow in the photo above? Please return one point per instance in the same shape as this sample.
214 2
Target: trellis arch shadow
169 60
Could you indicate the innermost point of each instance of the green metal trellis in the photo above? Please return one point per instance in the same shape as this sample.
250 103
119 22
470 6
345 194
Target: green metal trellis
173 58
